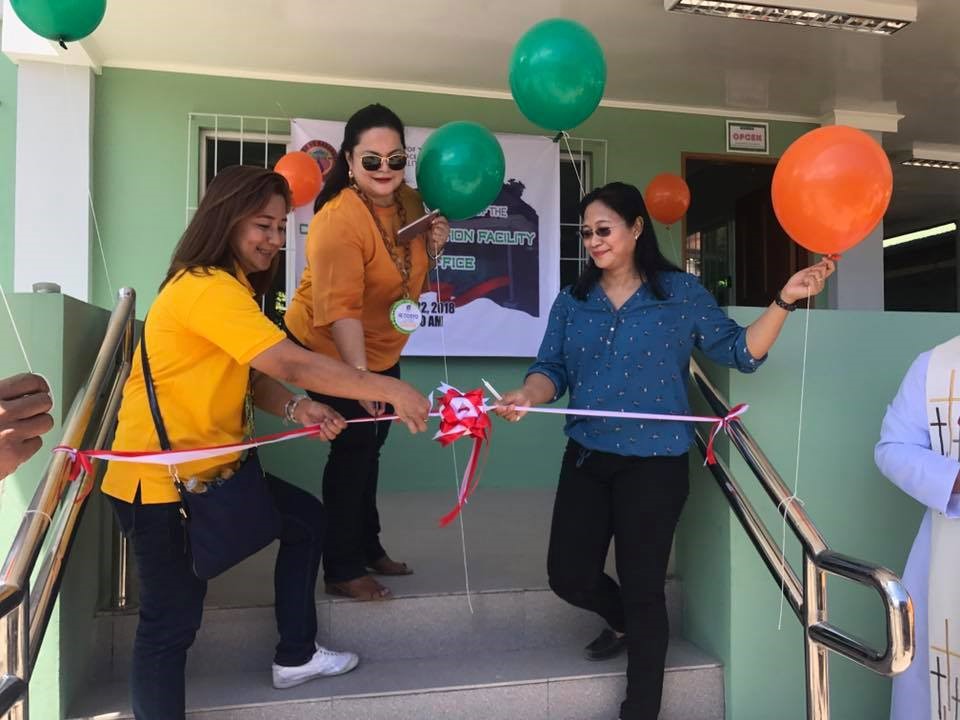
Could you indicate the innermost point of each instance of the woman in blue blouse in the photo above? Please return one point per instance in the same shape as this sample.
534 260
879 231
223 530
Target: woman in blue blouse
620 339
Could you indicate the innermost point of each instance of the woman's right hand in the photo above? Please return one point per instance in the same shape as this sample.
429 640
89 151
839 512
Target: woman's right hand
506 406
410 406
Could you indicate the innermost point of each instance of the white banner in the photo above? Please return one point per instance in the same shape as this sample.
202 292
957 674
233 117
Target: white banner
501 269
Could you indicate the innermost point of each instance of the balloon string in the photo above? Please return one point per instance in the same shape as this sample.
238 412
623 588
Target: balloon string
673 247
796 474
103 255
16 330
566 141
456 469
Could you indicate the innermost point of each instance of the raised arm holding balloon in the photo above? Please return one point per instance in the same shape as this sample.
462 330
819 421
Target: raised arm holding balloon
620 339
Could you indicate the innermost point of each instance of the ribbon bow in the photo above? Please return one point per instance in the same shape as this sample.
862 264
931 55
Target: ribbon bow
723 424
463 415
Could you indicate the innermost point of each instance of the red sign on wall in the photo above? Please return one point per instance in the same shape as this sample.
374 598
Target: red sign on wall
748 137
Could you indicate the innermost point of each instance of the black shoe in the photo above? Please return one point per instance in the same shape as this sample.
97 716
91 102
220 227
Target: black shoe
606 646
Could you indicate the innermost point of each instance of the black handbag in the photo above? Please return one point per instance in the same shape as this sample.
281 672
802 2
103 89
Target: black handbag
234 518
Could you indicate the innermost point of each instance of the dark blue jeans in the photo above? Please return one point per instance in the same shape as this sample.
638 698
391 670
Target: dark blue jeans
171 596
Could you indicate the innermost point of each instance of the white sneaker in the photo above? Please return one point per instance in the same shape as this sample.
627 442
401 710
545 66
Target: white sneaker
324 663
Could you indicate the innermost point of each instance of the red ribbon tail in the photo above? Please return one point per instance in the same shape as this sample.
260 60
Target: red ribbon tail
711 455
451 516
471 479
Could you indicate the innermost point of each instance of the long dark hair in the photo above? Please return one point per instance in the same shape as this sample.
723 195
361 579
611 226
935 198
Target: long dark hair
234 195
627 202
372 116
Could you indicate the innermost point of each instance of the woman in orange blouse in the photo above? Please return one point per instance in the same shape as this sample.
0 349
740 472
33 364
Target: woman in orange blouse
350 306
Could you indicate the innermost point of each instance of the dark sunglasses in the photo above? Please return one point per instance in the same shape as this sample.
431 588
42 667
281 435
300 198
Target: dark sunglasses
371 162
604 231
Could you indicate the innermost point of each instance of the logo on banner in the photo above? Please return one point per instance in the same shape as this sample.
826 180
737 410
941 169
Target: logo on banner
323 152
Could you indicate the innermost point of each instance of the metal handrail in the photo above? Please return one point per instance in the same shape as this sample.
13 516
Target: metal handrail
25 612
808 598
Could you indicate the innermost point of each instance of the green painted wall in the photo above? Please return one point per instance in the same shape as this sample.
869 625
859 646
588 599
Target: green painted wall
853 371
8 152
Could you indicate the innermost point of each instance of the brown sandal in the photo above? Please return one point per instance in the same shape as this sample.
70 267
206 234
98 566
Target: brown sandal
386 566
361 588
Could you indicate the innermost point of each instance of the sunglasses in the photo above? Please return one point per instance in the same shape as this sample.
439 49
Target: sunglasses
371 162
586 234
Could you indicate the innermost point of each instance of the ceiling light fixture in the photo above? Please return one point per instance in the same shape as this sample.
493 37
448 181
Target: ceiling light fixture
929 155
920 234
881 17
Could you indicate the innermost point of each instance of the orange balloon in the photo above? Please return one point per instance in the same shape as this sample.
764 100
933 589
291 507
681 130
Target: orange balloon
831 188
303 175
667 198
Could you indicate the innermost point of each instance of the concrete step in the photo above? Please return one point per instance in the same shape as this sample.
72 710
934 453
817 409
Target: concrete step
533 684
411 627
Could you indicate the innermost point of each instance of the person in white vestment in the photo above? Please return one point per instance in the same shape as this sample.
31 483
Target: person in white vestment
906 456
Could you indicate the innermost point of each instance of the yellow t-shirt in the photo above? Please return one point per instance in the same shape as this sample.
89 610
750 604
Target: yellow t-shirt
350 274
202 332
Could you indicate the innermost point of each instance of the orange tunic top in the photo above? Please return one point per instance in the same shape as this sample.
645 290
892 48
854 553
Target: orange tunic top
350 274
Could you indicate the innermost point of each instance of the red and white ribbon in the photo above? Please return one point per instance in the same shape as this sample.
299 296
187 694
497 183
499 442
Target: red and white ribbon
461 415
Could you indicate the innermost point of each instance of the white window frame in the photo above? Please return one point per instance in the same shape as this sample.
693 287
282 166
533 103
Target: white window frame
584 162
289 259
234 135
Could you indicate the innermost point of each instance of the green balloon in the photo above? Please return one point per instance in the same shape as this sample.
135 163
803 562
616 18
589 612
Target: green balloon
61 20
460 169
557 74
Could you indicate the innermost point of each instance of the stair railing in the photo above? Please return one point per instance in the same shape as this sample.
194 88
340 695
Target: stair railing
57 505
808 598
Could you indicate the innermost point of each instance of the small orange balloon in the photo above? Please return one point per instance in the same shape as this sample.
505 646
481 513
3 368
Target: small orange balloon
831 188
303 175
667 198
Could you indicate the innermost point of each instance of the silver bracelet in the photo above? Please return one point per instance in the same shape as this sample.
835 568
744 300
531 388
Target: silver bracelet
290 407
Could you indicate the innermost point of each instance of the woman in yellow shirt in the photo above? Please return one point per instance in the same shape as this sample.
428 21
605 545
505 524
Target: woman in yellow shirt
346 307
209 349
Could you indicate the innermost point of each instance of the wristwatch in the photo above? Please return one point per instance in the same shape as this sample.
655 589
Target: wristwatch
789 307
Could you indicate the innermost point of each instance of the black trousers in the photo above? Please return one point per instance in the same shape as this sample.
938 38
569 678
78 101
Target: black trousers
350 491
637 501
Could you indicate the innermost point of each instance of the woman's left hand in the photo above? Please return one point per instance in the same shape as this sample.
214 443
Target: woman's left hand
309 412
437 235
808 282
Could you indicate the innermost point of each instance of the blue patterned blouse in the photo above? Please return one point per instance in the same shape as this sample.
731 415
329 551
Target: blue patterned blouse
636 359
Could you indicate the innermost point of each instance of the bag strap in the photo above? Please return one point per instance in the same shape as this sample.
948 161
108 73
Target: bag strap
151 392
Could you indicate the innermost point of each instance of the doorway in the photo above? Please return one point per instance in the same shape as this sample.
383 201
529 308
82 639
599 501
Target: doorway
733 241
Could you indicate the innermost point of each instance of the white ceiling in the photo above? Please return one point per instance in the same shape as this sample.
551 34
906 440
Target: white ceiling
653 57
